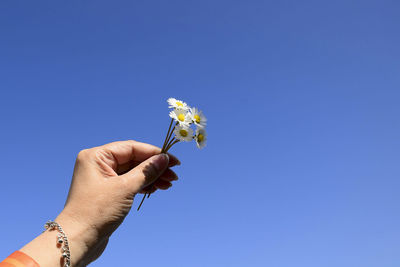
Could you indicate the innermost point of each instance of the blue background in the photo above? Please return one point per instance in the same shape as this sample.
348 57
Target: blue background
302 97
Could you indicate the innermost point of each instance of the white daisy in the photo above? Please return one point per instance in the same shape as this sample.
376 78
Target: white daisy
197 117
183 133
177 104
181 116
200 137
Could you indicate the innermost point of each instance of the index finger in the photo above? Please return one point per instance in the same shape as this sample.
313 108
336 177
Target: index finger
130 150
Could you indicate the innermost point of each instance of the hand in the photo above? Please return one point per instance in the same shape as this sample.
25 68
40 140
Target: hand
105 182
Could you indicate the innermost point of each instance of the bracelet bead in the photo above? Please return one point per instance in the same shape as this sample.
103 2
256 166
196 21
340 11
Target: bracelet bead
61 239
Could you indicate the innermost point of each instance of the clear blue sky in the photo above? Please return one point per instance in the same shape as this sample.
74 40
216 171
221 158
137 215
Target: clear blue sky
302 97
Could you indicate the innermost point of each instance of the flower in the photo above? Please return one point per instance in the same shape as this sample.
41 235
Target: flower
200 137
185 117
181 116
197 117
183 133
177 104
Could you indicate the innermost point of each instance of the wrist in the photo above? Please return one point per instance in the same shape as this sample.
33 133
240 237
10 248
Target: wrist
82 237
47 252
85 244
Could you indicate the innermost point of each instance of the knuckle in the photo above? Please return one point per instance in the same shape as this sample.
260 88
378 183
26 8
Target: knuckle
83 155
132 142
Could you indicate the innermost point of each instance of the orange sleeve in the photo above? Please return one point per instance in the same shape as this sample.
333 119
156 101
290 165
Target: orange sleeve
19 259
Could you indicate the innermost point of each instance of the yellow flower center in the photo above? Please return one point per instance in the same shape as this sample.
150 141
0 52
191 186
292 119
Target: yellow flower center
179 104
183 132
197 118
181 117
200 138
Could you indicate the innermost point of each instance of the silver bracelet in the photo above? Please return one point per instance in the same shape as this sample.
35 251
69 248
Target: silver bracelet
61 239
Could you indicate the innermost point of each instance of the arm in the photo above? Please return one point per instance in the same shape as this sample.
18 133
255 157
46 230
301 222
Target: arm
104 184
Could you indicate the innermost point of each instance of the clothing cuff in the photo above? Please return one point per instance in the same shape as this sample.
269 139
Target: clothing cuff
19 259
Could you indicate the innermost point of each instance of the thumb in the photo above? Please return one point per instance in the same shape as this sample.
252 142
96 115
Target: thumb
148 171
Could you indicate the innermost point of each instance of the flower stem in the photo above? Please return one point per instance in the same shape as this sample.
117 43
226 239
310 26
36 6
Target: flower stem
141 202
164 149
167 136
170 145
168 139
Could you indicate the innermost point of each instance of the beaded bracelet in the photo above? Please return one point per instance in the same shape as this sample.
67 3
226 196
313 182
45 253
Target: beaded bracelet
61 239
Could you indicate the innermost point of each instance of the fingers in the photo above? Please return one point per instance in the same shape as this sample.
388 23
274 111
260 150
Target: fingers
127 154
148 189
159 184
122 151
168 175
162 184
164 181
173 160
123 168
147 172
142 165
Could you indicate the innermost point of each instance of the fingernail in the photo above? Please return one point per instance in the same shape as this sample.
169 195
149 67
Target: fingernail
161 161
174 175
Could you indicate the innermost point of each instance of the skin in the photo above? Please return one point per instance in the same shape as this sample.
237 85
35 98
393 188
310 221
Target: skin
105 182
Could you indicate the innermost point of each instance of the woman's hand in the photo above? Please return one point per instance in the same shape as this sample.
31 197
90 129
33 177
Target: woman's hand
105 182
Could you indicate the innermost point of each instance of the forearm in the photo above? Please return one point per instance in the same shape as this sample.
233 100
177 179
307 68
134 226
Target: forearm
104 184
82 240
